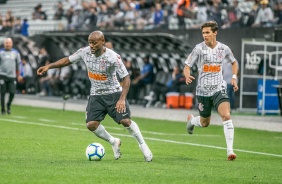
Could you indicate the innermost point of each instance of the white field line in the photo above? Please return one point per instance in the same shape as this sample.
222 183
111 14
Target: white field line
158 133
147 138
19 117
47 120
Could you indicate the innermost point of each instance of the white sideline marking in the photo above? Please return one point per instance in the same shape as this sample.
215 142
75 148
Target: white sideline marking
19 117
148 138
47 120
158 133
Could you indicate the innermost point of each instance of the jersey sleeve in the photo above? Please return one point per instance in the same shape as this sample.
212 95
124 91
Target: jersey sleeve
18 61
121 70
229 56
192 58
77 56
18 58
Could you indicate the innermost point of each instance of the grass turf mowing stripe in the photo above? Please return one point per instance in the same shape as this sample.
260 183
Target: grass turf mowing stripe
148 138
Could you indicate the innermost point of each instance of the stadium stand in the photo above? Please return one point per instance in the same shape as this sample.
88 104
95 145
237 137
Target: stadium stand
24 10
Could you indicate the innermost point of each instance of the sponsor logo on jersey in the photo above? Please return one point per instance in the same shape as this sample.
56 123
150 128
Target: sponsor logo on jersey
211 68
96 76
210 87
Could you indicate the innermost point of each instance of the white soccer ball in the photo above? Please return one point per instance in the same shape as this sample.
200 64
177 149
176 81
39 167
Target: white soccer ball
95 152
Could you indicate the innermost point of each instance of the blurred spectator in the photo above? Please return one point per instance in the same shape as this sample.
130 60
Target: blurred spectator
167 6
24 29
25 78
77 19
216 12
44 82
146 77
68 15
17 27
264 16
59 82
7 27
278 13
133 73
159 90
158 15
129 16
73 3
39 13
234 15
118 21
104 20
109 45
90 22
9 17
202 12
182 6
59 14
43 57
43 60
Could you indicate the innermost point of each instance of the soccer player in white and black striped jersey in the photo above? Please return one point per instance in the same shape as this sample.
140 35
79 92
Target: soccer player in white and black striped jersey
107 96
211 88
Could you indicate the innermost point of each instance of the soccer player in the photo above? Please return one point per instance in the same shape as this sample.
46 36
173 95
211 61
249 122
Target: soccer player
211 88
9 70
107 96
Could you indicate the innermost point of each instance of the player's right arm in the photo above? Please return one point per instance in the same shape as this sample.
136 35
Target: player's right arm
189 62
189 78
58 64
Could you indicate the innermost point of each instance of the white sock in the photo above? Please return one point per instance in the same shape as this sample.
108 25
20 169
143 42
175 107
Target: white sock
229 134
102 133
196 121
134 130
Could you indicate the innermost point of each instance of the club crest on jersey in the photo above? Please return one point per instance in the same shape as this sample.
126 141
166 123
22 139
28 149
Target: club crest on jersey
201 107
89 57
219 54
103 63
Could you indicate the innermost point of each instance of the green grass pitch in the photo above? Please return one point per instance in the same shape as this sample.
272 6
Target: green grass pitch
48 146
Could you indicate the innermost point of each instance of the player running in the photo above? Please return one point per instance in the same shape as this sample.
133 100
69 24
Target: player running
107 96
211 88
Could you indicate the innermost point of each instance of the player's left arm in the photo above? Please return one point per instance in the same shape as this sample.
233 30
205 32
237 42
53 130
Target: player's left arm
18 61
123 73
234 75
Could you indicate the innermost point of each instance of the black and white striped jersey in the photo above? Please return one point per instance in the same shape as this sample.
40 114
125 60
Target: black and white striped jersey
209 62
102 70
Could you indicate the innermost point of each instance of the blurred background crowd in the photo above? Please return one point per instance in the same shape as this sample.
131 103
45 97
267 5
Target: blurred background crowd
147 14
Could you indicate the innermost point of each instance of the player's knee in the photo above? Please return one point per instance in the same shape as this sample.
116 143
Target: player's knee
125 122
225 116
92 125
205 124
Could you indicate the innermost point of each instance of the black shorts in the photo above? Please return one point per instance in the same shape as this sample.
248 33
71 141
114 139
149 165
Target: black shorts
205 104
100 105
7 85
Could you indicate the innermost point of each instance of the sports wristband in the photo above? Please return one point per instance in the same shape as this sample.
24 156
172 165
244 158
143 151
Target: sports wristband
234 76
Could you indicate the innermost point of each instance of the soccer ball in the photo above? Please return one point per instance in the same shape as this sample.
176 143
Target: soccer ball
95 152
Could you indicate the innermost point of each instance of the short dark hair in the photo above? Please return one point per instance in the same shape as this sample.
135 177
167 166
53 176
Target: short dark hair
147 56
212 24
25 57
